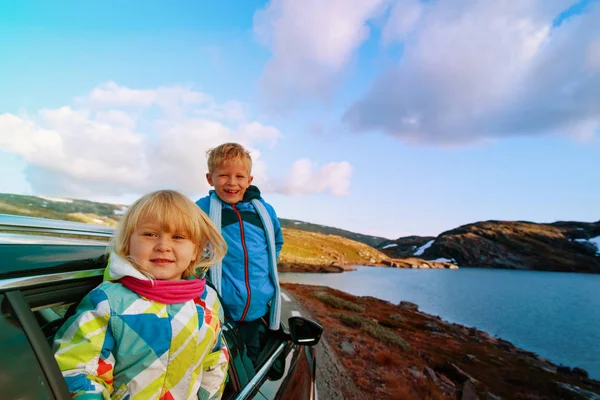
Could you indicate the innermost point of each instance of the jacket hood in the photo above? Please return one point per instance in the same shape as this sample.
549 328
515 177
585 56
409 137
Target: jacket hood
251 193
118 267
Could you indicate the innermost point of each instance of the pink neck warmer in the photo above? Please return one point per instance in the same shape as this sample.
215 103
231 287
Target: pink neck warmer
166 292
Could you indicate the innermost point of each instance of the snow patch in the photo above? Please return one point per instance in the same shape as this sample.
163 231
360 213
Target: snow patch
387 246
297 223
422 249
595 241
442 259
120 211
56 199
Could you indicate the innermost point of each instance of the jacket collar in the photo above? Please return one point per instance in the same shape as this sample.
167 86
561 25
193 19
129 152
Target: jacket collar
251 193
118 267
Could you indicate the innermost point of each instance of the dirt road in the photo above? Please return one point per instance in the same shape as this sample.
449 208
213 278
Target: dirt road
332 381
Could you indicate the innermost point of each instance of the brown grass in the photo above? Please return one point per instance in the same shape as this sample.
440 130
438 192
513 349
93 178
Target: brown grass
338 303
319 249
384 355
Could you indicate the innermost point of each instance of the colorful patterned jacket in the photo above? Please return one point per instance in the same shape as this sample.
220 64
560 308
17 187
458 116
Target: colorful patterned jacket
119 345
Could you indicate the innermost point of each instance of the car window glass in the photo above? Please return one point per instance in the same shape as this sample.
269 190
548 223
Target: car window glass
27 381
238 359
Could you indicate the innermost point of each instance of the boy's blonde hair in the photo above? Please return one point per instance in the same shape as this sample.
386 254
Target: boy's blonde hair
174 212
225 152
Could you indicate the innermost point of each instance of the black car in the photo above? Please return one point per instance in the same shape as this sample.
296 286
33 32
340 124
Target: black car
46 268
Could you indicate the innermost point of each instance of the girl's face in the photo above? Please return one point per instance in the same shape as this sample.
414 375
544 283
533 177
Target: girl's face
165 255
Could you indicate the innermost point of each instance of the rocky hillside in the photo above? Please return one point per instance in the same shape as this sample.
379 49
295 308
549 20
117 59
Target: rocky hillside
394 351
315 249
311 251
108 214
61 208
560 246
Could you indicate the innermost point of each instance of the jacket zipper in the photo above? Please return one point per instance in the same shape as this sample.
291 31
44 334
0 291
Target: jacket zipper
247 273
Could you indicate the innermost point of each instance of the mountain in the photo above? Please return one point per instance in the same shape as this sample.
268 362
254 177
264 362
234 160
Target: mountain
372 241
109 214
559 246
308 247
312 251
61 208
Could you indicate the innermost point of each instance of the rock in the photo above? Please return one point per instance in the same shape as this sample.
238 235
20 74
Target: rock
469 392
409 306
456 373
512 245
430 373
563 370
469 358
506 346
582 393
446 384
492 396
431 326
415 372
347 347
582 373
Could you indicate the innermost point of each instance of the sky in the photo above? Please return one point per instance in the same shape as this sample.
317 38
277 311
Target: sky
384 117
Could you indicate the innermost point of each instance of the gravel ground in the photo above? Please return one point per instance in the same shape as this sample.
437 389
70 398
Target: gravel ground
333 383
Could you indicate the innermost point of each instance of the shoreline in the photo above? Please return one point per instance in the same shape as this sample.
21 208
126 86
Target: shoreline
397 351
404 263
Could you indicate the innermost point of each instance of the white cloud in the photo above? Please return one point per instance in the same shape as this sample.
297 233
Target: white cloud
255 131
477 70
106 150
471 71
404 16
116 117
307 178
593 54
311 42
231 111
110 94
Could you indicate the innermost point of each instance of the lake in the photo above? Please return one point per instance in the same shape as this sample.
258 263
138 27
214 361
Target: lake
554 314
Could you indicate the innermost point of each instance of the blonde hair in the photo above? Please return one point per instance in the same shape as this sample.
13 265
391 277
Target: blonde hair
226 152
174 212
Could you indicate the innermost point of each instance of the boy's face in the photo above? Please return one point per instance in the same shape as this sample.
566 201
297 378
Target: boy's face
230 179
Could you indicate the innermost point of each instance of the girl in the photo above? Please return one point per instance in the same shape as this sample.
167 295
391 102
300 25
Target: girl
150 330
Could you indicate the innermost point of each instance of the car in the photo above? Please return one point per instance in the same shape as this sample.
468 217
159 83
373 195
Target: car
49 265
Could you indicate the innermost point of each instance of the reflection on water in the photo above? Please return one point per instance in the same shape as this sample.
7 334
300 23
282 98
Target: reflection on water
556 315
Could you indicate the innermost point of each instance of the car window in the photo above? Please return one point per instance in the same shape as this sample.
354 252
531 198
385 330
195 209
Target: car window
241 370
28 381
240 366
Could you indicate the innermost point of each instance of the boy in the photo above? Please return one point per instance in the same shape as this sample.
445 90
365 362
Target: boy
247 277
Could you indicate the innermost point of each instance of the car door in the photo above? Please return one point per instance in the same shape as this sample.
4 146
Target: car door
27 366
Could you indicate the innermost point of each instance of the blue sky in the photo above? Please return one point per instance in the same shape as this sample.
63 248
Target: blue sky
387 117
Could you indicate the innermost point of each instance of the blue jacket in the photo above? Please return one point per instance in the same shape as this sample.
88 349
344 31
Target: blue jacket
247 287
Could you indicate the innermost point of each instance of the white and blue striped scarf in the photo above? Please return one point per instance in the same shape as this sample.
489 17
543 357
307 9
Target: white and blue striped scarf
216 271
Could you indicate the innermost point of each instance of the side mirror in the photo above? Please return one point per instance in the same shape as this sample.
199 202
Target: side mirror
304 331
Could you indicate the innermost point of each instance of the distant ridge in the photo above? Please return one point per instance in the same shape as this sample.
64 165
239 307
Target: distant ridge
372 241
560 246
109 214
61 208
